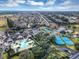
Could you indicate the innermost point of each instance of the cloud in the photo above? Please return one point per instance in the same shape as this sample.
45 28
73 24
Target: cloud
50 5
34 3
40 5
66 5
50 2
20 1
12 3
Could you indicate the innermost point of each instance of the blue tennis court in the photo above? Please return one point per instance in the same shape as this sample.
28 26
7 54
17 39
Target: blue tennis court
67 41
59 41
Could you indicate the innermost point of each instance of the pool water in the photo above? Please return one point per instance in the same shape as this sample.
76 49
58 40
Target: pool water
24 44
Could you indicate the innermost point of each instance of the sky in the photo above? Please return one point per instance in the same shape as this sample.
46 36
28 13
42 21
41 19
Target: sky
39 5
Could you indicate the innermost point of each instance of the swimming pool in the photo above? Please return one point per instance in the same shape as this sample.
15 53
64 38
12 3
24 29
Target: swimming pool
48 30
26 44
23 43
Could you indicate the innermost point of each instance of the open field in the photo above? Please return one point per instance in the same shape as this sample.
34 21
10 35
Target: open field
3 24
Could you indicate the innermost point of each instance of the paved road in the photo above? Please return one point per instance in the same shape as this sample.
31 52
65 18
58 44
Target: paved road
75 56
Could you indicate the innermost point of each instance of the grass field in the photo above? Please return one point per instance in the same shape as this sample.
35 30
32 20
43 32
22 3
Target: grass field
3 25
3 22
5 56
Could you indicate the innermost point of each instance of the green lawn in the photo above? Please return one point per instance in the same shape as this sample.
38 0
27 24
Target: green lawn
15 57
2 28
5 56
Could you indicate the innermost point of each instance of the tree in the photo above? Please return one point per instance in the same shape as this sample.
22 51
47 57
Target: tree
42 45
43 48
26 55
10 23
10 52
52 56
